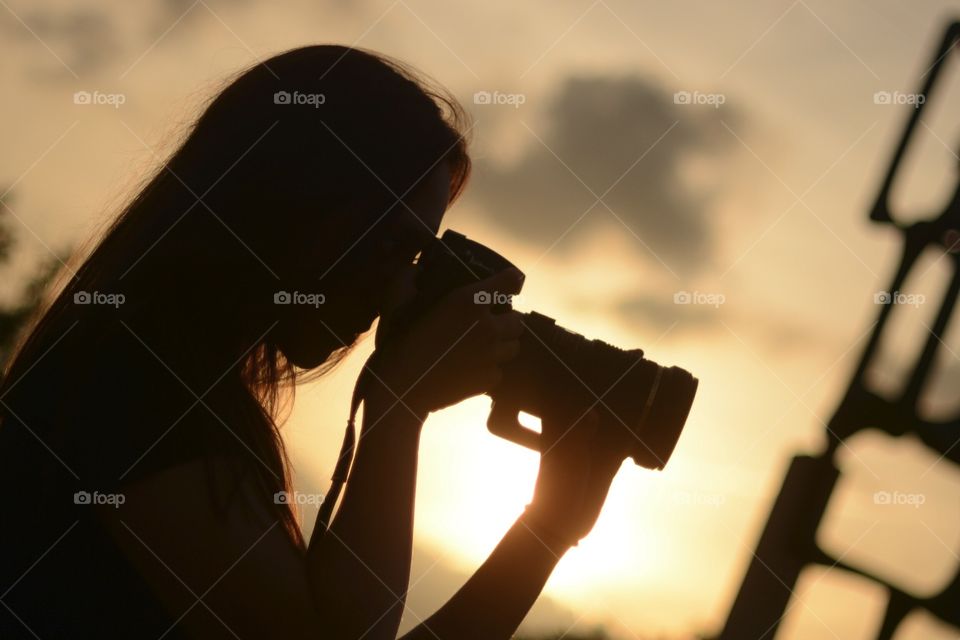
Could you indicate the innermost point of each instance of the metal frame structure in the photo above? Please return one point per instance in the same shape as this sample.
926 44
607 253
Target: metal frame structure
788 542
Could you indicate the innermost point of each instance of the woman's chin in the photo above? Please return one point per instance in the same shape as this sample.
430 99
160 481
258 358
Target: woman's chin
313 353
312 349
311 360
359 328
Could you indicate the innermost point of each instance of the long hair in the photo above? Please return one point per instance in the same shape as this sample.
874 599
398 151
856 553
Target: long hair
228 219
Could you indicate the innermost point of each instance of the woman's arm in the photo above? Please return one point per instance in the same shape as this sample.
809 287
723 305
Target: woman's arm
494 601
238 574
360 568
578 462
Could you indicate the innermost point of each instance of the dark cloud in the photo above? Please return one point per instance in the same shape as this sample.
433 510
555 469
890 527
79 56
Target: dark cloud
182 12
83 38
662 312
89 39
778 335
598 127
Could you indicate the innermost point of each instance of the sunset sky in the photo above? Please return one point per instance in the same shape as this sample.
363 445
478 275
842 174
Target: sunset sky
612 194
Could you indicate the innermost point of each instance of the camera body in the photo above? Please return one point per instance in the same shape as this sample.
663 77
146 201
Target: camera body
639 401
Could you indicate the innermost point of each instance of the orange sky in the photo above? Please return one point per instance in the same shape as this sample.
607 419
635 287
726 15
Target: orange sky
772 186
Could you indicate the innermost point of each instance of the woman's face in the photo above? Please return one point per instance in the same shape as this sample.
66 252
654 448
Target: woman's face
366 278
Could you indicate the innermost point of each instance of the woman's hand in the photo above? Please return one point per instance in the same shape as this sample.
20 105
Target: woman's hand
455 350
578 461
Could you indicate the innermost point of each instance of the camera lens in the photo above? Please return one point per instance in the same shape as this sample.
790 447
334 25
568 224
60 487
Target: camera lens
644 404
659 429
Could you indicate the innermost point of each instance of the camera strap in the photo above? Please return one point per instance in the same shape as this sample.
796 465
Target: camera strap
342 468
344 462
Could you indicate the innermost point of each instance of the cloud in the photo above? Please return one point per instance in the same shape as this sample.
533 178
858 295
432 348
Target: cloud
717 314
84 38
88 39
595 128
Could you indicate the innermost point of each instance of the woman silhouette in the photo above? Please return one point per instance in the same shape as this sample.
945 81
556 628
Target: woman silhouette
140 463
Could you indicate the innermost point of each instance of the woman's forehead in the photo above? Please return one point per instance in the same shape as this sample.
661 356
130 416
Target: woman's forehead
416 216
426 204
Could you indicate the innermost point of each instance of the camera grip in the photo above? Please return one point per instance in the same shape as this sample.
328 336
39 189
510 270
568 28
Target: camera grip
504 421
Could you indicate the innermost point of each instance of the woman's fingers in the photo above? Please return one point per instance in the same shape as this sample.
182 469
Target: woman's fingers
506 282
456 348
565 470
570 438
577 466
506 351
508 325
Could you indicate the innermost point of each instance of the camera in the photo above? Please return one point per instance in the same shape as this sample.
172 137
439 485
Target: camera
645 403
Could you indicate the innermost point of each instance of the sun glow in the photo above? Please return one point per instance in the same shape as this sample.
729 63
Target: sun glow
473 485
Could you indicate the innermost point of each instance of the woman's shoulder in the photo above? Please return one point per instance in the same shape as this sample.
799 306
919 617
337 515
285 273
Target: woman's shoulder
99 433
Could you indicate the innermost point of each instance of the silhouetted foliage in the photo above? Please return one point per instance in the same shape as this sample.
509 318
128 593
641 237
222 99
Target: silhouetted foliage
14 315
